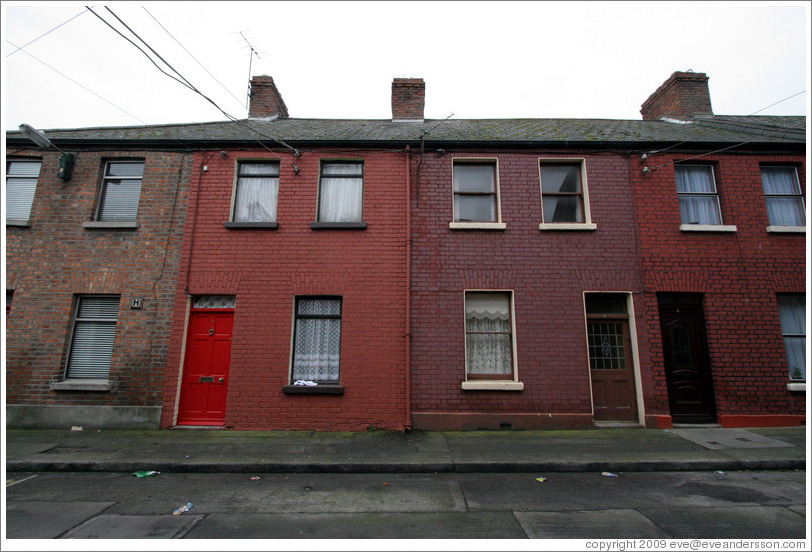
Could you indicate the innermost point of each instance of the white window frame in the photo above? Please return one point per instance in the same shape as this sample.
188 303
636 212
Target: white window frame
794 384
477 225
235 194
782 228
701 227
587 223
24 189
512 384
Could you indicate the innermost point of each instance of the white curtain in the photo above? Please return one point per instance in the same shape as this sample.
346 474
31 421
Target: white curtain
783 211
341 194
489 343
257 195
793 326
702 208
318 341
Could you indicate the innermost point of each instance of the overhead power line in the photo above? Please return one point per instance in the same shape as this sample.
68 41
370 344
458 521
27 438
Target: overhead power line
43 34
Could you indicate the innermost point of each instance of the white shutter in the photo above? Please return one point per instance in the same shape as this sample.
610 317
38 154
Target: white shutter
21 184
94 334
122 190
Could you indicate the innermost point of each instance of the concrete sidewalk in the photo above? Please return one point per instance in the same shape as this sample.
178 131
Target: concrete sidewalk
206 450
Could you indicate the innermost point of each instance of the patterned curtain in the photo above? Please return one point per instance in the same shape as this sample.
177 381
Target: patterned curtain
488 339
318 340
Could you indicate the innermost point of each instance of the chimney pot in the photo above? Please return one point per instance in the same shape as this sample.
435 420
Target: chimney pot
408 99
682 96
265 99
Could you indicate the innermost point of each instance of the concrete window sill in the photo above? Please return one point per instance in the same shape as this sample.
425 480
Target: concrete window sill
492 385
786 229
315 390
569 226
82 385
110 225
477 225
18 222
707 228
796 386
251 225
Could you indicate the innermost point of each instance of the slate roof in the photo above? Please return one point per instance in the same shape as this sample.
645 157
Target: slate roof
438 132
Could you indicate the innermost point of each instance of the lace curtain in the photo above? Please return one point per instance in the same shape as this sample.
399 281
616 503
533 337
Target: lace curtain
318 340
341 194
257 191
698 203
780 185
488 339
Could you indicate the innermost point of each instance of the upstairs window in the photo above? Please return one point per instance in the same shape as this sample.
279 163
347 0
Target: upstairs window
317 340
782 194
21 184
121 191
94 332
792 311
475 192
562 193
341 192
257 192
698 199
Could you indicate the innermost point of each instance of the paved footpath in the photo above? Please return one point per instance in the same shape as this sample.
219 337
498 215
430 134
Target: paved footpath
206 451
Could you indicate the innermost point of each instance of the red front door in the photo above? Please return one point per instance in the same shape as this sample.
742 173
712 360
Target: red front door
205 368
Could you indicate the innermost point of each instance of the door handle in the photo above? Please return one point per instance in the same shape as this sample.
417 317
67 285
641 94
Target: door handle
221 380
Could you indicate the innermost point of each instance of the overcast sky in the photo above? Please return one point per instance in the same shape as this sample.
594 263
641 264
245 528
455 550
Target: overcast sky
338 59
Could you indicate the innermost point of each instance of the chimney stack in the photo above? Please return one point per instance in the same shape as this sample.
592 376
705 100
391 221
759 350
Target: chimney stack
682 96
266 101
408 99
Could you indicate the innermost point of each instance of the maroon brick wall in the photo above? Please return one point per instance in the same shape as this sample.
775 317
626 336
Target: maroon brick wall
548 272
53 260
738 274
267 269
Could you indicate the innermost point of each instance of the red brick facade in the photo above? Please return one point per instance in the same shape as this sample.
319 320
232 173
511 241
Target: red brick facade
57 258
548 271
266 269
738 274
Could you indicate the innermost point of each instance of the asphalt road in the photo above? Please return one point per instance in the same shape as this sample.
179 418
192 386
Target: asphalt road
674 505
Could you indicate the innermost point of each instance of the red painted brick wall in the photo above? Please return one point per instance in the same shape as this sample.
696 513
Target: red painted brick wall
55 258
548 272
267 269
739 275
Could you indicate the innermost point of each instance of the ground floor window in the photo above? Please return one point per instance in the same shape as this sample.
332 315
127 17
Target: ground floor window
489 350
94 332
317 340
791 308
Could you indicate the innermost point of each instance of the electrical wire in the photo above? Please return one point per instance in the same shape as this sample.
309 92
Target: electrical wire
193 57
43 34
76 83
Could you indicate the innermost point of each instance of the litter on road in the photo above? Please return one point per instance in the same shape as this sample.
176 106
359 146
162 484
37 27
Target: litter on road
146 473
185 508
608 474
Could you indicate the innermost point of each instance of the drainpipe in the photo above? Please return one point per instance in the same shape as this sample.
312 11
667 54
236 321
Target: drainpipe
408 333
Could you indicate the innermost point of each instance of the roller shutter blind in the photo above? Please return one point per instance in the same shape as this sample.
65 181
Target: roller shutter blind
21 184
94 333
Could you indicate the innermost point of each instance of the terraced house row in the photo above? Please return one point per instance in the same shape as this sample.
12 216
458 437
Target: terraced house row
331 274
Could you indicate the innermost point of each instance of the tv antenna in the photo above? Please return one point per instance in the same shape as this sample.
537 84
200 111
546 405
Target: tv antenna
250 60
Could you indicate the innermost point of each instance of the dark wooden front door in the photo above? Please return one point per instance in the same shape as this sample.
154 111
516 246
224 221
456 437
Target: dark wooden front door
205 368
687 362
611 370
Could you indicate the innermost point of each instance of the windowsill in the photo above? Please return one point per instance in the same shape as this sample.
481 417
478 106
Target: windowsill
110 225
492 385
314 390
251 225
707 228
796 386
18 222
787 229
477 225
338 225
81 385
576 226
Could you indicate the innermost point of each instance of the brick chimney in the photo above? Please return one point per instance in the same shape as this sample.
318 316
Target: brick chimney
682 96
266 101
408 99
